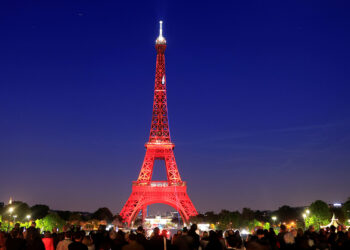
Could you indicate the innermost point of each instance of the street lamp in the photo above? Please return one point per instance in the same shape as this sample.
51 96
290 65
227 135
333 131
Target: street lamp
307 211
28 217
11 209
304 216
274 218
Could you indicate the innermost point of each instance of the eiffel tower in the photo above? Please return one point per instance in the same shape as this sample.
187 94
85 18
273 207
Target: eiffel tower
173 191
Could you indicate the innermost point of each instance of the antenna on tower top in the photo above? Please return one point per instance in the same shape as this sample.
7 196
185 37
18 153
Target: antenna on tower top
161 28
160 39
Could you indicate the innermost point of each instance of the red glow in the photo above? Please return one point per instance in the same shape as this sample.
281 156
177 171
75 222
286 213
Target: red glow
173 191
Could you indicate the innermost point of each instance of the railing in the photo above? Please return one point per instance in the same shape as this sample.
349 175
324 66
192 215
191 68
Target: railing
158 184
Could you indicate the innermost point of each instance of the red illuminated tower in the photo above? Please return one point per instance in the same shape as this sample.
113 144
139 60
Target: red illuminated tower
172 192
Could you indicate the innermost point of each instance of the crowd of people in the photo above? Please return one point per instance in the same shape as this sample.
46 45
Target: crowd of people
186 239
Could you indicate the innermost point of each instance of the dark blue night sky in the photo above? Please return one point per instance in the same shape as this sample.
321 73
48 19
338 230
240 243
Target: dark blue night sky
258 98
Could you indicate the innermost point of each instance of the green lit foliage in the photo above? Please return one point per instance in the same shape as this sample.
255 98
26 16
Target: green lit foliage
254 224
267 226
311 221
20 210
49 222
320 214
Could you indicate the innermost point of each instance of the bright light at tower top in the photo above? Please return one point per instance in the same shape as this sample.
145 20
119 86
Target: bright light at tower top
160 39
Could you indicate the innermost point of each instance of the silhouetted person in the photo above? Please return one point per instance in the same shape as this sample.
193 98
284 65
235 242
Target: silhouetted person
15 241
214 242
133 244
76 244
48 241
195 237
33 239
63 244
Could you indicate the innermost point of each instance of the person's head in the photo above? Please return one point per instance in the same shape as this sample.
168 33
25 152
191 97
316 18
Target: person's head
101 228
205 234
32 234
332 229
87 241
164 233
185 231
300 232
339 228
193 227
312 229
232 241
260 233
132 237
294 232
140 230
237 233
212 235
17 225
77 236
112 235
33 224
288 238
126 236
54 230
15 233
179 232
156 231
283 228
68 235
47 234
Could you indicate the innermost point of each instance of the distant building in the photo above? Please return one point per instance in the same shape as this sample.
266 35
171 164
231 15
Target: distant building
336 205
158 221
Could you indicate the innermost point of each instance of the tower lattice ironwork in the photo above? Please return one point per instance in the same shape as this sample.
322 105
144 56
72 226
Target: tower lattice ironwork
172 192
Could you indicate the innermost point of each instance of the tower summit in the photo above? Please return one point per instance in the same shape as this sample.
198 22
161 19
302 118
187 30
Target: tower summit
160 39
173 191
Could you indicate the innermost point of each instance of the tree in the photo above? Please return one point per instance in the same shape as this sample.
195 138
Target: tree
75 218
211 217
199 218
287 214
320 213
50 221
247 217
20 209
339 214
39 211
65 215
346 209
267 226
229 219
103 214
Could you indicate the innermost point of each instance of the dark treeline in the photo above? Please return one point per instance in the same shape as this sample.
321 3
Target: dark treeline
318 213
